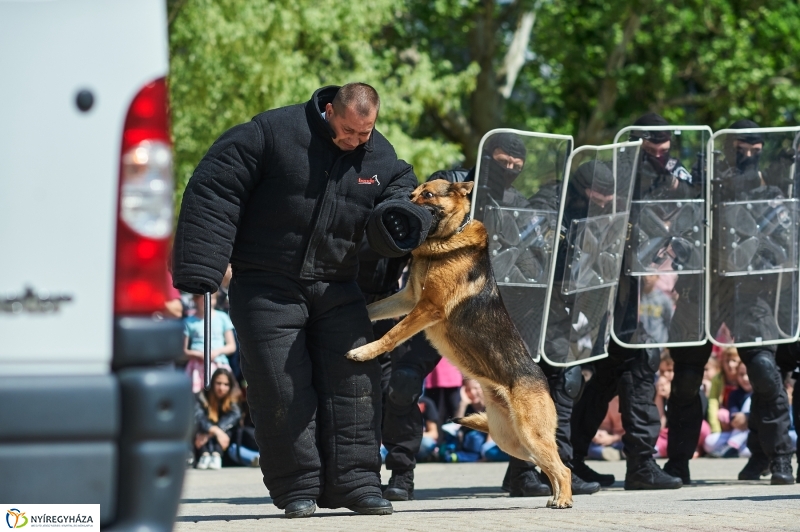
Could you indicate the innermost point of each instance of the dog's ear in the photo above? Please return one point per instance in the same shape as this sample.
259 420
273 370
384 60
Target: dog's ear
462 188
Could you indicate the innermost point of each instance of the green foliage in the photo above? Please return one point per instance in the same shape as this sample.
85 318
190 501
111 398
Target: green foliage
592 66
232 59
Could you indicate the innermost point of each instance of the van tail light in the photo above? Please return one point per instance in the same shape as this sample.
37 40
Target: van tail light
144 219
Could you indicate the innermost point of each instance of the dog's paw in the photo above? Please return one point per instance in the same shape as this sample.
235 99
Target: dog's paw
361 354
561 503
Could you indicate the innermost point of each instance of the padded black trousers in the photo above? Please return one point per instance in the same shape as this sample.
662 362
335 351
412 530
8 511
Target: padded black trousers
316 413
684 407
630 373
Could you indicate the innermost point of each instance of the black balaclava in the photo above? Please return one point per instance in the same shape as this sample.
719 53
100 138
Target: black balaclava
593 175
512 145
656 137
744 163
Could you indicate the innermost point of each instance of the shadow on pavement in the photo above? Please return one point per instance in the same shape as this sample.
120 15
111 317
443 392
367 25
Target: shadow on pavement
231 500
758 498
459 493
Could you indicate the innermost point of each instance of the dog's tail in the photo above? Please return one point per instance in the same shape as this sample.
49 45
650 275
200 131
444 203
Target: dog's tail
476 421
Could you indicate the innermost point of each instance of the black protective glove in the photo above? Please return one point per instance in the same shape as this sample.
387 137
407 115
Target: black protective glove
397 224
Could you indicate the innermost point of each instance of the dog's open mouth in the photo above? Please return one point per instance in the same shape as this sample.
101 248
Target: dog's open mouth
437 213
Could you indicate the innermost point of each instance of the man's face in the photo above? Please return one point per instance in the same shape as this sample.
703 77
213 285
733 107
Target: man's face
507 161
748 150
352 129
598 198
656 149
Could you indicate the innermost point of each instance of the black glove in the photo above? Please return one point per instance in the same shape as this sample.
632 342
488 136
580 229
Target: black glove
397 224
194 286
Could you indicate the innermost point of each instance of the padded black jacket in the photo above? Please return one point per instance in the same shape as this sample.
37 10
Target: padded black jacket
277 194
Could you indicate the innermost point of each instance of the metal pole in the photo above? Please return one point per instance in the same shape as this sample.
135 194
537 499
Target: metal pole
207 342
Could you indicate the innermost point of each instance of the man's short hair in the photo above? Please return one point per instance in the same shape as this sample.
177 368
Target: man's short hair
358 96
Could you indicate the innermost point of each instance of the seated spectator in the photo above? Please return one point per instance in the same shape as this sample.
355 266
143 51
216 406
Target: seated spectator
443 387
223 342
663 389
728 381
732 441
607 443
666 368
466 445
216 415
713 386
244 448
430 432
655 309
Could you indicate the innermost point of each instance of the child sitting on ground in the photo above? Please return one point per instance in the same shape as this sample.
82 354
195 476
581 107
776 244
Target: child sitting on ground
466 445
732 441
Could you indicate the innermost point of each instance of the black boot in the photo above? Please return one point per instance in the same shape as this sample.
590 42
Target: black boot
300 509
400 487
644 474
587 474
757 466
526 483
781 468
680 469
581 487
372 506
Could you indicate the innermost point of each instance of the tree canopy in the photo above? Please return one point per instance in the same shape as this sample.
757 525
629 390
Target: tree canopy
450 70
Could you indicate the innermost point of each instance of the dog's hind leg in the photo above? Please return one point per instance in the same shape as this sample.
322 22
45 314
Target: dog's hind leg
394 306
421 317
535 423
477 421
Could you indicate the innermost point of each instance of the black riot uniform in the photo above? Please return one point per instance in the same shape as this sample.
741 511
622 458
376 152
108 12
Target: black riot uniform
746 305
278 199
788 359
630 372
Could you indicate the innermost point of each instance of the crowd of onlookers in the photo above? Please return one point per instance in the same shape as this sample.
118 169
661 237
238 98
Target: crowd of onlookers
224 431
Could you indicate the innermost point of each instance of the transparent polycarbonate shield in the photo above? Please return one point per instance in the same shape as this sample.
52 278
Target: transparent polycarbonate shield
517 192
753 247
661 298
584 275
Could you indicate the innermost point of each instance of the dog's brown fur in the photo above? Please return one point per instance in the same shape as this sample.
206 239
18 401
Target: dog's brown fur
452 296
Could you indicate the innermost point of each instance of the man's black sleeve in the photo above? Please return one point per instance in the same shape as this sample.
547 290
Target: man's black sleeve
212 206
396 199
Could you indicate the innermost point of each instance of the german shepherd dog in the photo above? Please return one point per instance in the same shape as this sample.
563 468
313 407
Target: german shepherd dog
452 295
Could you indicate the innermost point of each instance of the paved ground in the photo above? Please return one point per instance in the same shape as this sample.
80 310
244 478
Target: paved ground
466 497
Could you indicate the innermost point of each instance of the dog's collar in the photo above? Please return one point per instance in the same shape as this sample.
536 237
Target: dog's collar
467 220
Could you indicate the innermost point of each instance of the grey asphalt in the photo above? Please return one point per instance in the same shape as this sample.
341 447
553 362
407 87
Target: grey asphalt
467 497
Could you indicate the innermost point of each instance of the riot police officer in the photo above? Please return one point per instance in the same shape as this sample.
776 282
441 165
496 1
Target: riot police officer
746 303
630 372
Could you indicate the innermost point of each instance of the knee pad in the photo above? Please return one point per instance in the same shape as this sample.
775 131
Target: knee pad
763 373
405 387
572 382
685 384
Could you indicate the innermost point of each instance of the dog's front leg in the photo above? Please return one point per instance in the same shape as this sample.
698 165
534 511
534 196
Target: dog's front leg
394 306
421 317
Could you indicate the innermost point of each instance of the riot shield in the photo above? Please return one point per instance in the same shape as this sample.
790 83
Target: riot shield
661 297
593 222
752 278
517 189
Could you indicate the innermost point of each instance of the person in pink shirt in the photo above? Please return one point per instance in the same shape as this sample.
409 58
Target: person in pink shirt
443 387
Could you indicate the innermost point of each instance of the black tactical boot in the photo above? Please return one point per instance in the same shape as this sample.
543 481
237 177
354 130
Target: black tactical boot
300 509
756 467
587 474
372 506
644 474
400 487
580 487
680 469
781 468
525 483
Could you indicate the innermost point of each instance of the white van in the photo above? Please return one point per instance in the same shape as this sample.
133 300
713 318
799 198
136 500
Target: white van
88 412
